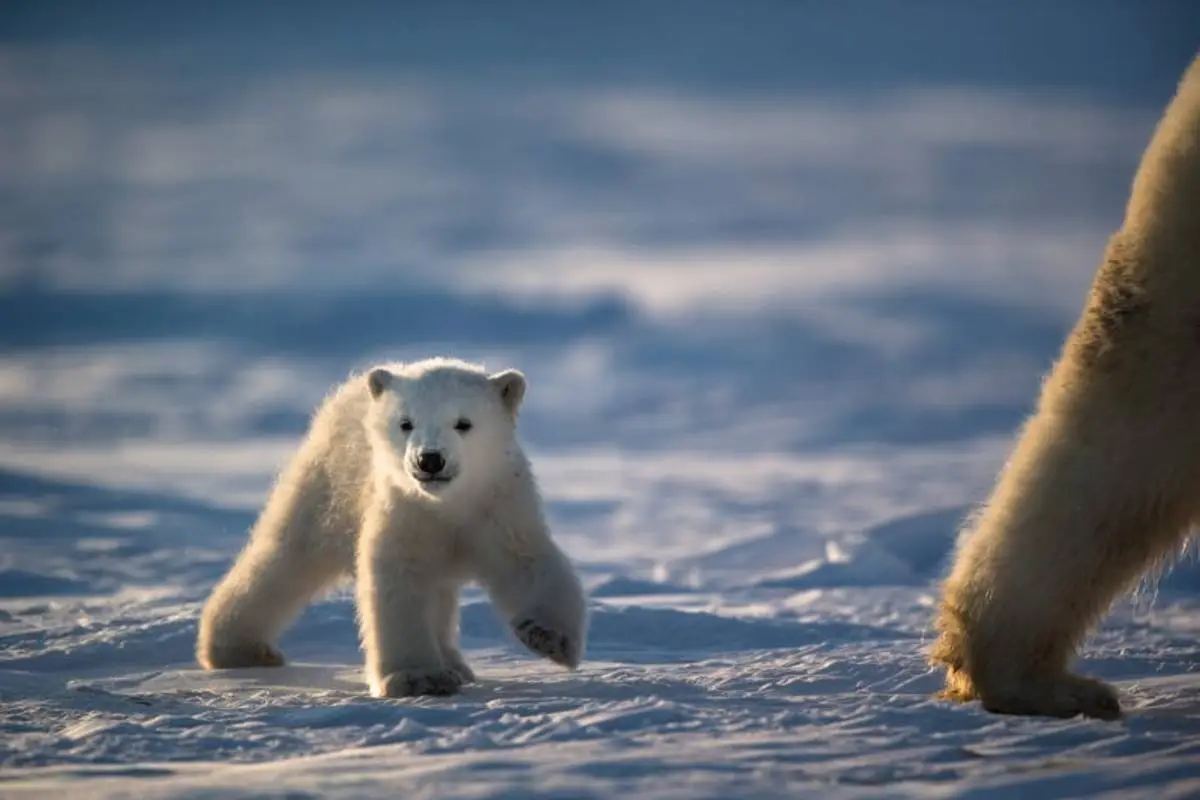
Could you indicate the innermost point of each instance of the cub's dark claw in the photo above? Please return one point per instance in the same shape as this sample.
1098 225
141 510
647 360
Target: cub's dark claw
546 642
414 683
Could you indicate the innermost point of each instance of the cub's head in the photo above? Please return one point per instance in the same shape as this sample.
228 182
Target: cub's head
443 428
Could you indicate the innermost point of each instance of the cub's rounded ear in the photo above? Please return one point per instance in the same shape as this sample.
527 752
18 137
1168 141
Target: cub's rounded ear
378 379
511 386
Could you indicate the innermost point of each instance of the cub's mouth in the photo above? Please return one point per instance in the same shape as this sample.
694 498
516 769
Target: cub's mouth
426 480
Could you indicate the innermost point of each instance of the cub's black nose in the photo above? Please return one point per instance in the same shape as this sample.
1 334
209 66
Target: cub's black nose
431 462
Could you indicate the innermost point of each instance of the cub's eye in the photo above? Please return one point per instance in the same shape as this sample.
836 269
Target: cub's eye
463 425
406 425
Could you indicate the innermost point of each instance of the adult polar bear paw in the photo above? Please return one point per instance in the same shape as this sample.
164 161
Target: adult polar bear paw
416 682
1064 695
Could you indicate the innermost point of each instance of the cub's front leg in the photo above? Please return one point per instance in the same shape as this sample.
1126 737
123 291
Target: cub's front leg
397 605
532 583
446 622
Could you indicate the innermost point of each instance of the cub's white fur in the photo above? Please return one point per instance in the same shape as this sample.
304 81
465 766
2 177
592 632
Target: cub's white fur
362 498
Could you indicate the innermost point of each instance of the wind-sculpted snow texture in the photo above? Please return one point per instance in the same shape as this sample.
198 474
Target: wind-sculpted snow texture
783 285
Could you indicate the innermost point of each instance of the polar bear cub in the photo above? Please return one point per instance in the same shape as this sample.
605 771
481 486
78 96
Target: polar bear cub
411 480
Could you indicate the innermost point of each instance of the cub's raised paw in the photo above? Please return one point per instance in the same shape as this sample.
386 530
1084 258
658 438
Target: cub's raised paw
547 642
241 656
417 682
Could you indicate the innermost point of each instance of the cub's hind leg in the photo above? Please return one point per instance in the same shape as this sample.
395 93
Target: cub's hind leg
273 579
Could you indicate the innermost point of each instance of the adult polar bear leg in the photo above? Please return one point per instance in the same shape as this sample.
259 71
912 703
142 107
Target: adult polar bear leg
533 585
268 586
1063 535
398 594
1105 478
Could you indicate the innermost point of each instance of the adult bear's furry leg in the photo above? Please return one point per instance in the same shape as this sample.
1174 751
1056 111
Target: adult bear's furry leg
1072 523
1105 479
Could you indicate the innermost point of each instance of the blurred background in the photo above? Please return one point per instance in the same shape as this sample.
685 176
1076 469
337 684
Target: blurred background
767 265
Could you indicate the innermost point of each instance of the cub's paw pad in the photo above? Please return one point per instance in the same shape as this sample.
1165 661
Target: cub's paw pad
458 665
415 683
243 656
546 642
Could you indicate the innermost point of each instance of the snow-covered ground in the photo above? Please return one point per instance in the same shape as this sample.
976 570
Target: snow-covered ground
779 330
